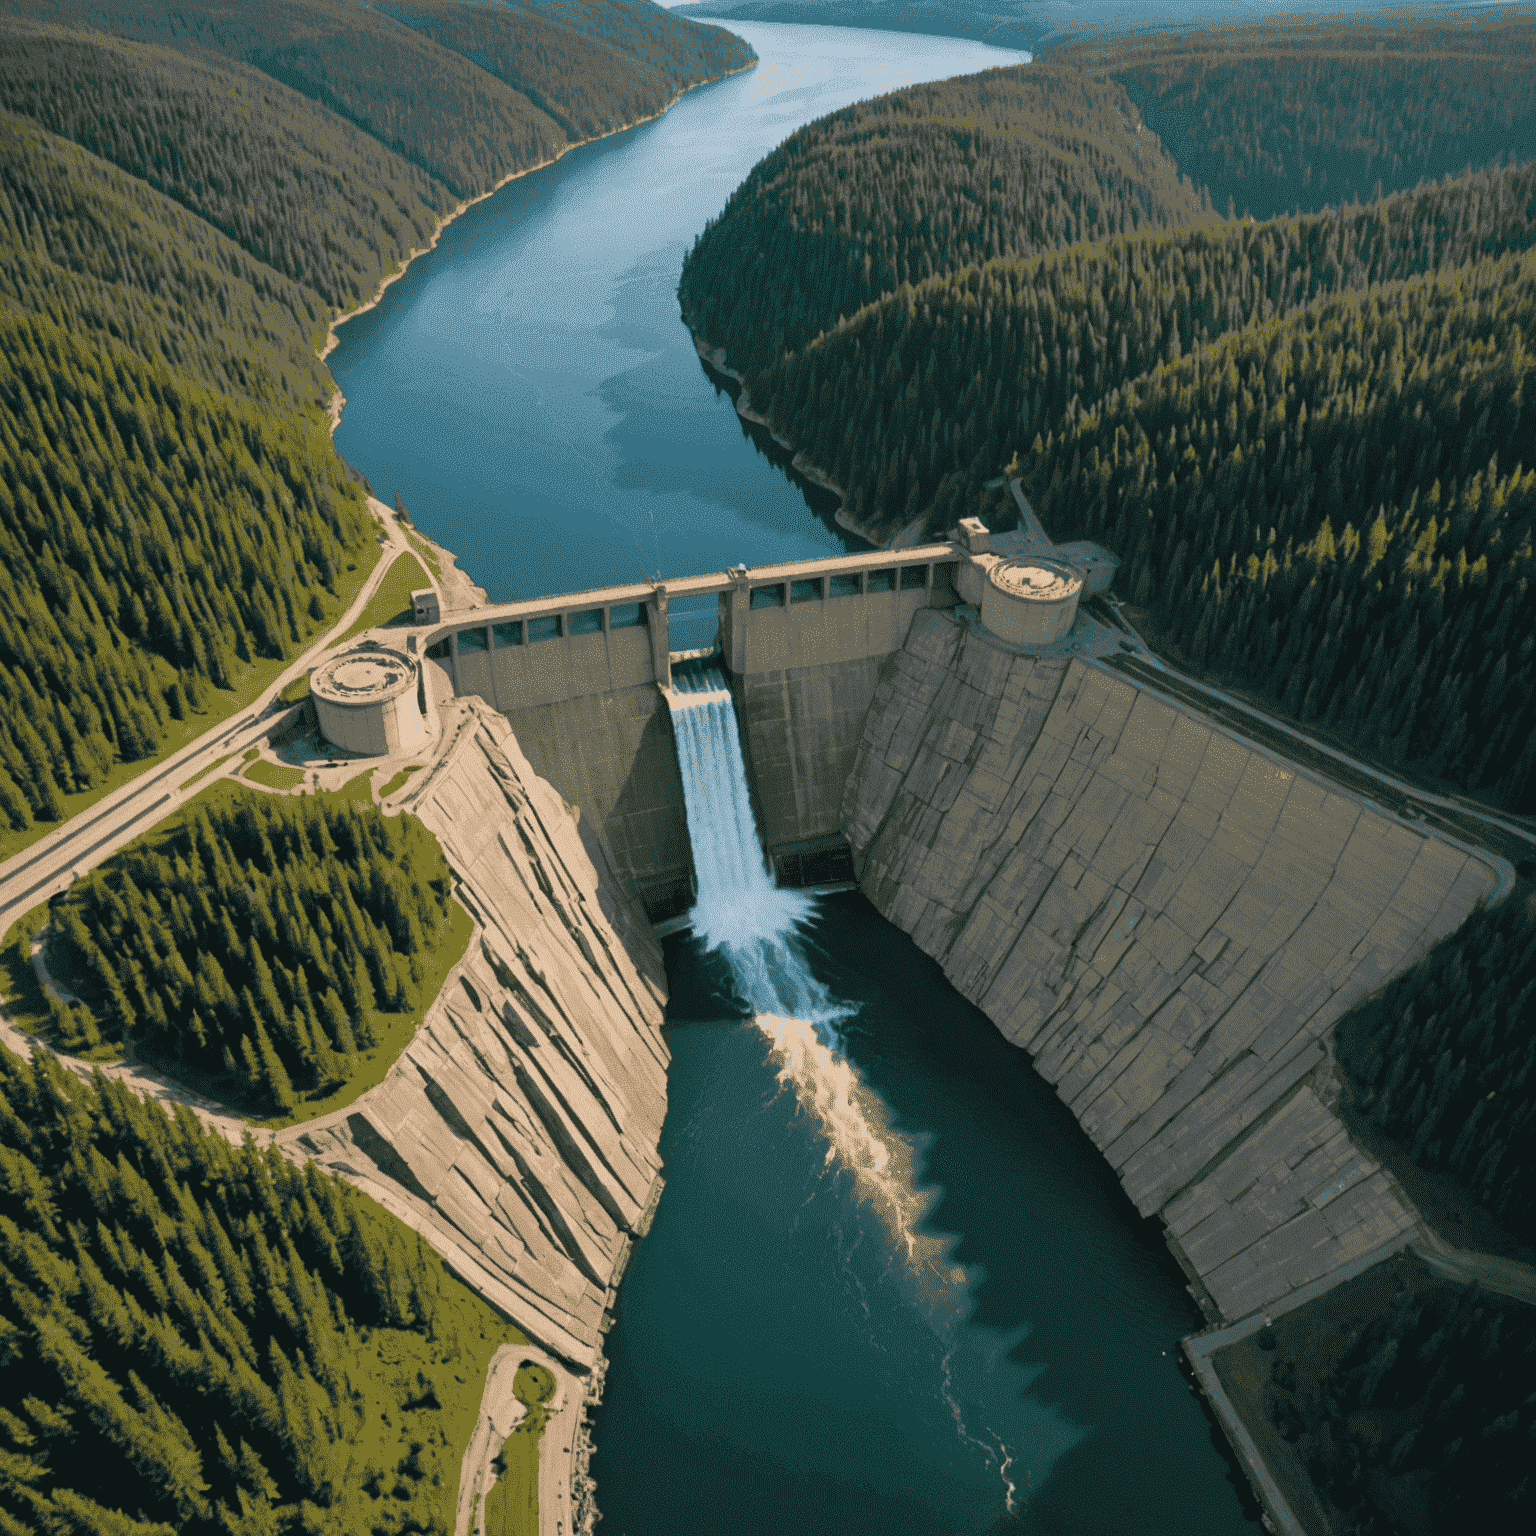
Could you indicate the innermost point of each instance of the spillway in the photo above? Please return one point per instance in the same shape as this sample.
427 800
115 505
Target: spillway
738 909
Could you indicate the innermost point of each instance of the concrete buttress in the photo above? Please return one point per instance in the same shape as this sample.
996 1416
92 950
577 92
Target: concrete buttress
1169 922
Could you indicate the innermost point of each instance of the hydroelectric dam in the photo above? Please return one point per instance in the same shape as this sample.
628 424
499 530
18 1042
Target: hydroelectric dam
1166 918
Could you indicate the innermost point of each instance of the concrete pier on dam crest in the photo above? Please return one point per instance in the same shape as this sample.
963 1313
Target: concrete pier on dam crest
1168 919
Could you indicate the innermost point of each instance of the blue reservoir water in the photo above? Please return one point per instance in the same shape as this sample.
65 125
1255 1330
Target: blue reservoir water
529 389
890 1287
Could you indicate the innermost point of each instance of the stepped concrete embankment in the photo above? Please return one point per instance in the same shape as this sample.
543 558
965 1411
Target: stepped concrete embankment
518 1131
1168 921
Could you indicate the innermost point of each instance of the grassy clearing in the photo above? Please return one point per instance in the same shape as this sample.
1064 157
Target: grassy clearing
398 781
356 788
392 602
274 775
251 680
1317 1334
512 1506
427 553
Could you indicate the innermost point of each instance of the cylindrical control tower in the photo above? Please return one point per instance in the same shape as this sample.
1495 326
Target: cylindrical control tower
1031 599
368 700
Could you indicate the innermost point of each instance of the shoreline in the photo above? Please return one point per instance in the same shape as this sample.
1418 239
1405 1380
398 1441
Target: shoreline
338 400
714 357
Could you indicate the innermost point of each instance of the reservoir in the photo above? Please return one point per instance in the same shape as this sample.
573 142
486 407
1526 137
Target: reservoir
890 1287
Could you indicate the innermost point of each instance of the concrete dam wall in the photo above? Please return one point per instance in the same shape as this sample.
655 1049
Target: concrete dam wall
1167 921
581 679
518 1131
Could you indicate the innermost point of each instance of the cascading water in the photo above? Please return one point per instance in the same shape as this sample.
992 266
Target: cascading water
739 910
758 929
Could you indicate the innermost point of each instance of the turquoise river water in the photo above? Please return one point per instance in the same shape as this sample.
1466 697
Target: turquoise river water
891 1288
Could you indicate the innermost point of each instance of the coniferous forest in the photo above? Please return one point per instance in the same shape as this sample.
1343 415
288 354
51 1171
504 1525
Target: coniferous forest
922 182
1444 1059
1345 499
1420 1421
1253 311
252 939
197 1337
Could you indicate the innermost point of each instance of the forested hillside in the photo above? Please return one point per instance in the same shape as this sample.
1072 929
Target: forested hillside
1444 1060
917 401
120 266
919 182
198 1338
438 101
252 941
297 188
1420 1421
1295 116
183 210
156 535
1267 118
1337 511
1328 530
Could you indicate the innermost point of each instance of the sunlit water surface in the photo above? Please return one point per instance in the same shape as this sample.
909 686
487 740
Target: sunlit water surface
890 1287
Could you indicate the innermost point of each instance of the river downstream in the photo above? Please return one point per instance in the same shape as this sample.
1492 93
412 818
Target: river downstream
890 1288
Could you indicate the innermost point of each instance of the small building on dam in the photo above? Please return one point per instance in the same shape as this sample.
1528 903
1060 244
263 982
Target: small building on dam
371 700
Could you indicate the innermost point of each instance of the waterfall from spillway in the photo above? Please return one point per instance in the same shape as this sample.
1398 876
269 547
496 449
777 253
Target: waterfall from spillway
739 910
757 927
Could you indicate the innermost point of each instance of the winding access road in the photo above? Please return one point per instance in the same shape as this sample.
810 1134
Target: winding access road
500 1414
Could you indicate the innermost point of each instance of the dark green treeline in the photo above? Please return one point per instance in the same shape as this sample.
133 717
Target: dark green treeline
199 1338
1422 1421
447 86
295 187
1285 116
156 534
253 940
919 182
921 398
188 195
1444 1059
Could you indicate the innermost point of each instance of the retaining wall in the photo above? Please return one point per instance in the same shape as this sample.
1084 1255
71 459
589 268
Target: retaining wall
518 1130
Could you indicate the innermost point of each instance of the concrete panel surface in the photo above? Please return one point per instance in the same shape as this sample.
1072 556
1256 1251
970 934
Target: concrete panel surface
1169 920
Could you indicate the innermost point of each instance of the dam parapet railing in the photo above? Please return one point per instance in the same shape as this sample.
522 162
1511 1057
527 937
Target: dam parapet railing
584 677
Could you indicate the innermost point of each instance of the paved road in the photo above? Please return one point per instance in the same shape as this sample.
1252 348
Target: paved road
82 842
1509 1277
